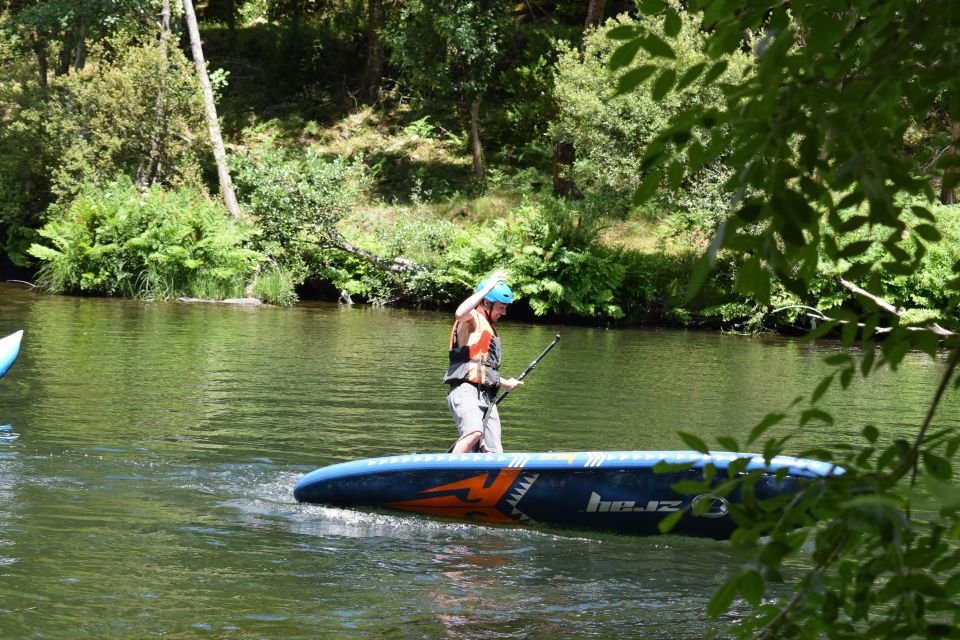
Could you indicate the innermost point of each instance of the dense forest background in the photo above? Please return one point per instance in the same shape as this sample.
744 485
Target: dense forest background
389 152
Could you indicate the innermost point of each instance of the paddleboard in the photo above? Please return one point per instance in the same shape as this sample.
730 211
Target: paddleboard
614 491
9 349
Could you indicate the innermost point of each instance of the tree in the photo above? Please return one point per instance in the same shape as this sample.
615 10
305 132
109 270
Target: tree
452 50
213 123
815 135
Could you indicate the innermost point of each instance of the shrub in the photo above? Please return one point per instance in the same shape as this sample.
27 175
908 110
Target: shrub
297 202
611 132
116 240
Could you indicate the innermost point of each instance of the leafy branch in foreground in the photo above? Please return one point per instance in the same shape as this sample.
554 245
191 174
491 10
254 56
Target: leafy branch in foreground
816 136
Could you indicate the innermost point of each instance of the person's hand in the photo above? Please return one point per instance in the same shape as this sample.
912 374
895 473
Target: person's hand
510 384
495 277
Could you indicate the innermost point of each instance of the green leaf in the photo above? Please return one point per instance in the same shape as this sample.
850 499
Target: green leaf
936 466
723 598
657 47
651 7
647 188
815 414
669 522
690 75
821 389
752 587
634 78
715 72
663 84
871 433
670 467
694 442
768 421
672 24
690 487
924 584
729 443
855 249
623 32
928 232
624 55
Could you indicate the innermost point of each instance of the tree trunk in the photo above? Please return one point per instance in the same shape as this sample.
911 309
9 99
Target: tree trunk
40 48
213 123
151 168
563 156
949 196
64 60
81 57
373 73
594 13
476 147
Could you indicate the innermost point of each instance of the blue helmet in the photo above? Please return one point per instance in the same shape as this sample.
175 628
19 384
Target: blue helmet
500 293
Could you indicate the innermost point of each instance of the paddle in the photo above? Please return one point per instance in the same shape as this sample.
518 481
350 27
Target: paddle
523 374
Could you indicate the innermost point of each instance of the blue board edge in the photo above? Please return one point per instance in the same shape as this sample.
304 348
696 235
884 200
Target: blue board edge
799 467
9 350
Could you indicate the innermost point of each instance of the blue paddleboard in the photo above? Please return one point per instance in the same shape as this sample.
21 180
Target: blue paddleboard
614 491
9 349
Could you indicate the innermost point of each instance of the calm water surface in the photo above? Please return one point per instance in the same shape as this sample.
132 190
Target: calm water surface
148 452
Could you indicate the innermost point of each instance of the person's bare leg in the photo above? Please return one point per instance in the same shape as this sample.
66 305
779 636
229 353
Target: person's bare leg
467 443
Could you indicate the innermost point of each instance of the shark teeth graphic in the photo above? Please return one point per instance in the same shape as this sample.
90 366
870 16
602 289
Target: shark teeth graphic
518 492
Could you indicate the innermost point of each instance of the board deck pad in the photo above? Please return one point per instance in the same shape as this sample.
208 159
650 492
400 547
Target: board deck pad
614 491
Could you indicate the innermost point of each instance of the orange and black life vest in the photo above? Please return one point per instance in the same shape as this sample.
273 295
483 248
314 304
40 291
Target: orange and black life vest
478 361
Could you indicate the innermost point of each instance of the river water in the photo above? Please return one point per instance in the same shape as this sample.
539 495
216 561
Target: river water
148 452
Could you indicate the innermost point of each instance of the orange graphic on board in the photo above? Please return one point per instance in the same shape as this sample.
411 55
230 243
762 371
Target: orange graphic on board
469 498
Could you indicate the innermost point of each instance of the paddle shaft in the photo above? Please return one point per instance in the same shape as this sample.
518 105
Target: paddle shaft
523 374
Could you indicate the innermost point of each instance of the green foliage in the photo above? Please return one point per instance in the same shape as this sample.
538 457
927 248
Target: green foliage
91 126
275 286
447 48
117 240
814 140
548 247
612 132
297 202
102 122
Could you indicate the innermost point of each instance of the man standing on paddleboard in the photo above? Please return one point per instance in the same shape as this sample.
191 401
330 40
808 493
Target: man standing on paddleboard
474 373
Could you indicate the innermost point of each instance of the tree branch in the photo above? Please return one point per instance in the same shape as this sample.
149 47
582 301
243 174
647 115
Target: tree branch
889 308
397 265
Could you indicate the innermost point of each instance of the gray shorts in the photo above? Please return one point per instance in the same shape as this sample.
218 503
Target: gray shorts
467 405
